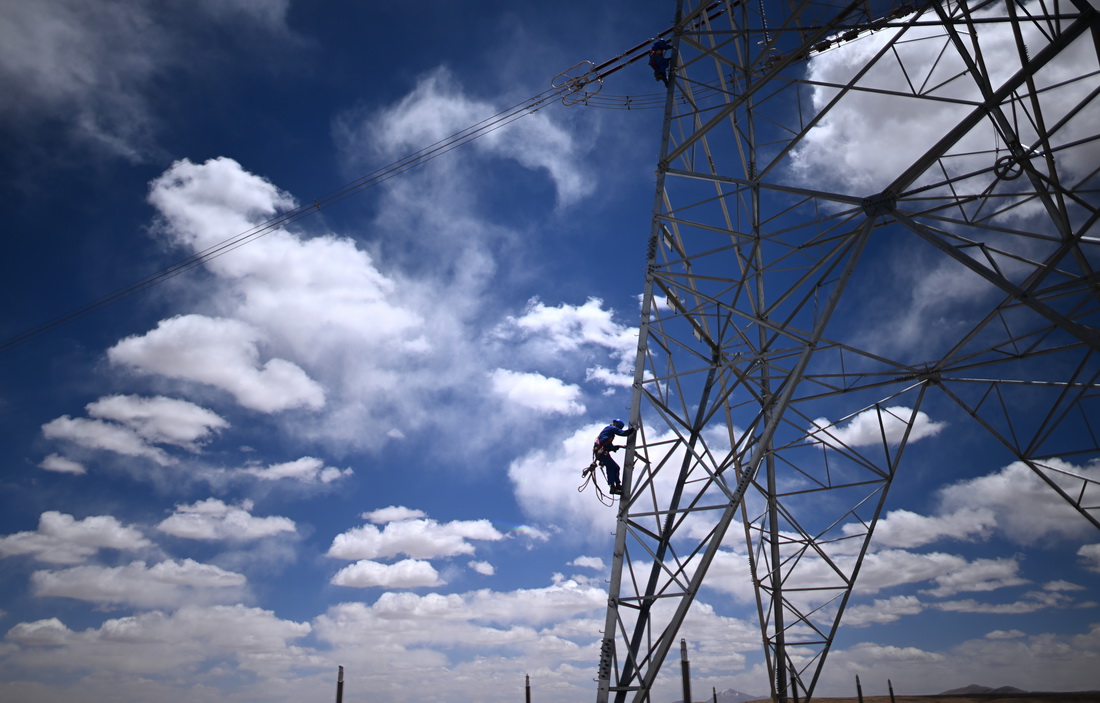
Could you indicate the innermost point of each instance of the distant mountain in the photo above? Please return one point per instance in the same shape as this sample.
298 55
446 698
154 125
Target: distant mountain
730 695
975 688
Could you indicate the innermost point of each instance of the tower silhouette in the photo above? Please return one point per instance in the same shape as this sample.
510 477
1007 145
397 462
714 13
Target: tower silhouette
871 219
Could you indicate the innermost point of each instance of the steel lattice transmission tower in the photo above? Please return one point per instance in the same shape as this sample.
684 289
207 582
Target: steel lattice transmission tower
814 160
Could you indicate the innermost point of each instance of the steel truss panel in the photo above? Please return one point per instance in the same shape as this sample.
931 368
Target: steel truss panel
760 345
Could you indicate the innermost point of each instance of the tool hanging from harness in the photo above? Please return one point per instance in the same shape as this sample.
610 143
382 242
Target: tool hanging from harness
588 474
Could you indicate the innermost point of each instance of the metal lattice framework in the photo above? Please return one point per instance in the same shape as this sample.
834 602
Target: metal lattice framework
785 363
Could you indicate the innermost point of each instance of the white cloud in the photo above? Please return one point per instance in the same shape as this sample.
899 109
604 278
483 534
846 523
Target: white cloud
482 567
839 144
978 575
872 427
211 519
537 392
60 464
159 645
307 469
407 573
1016 490
393 513
223 353
546 333
97 434
906 529
419 539
589 563
437 109
882 611
1089 555
160 420
61 539
165 584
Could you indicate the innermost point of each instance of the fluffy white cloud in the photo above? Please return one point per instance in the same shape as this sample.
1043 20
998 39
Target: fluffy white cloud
60 464
407 573
223 353
161 644
537 392
482 567
62 539
307 469
872 427
589 563
97 434
1016 490
160 420
437 109
393 513
882 611
211 519
906 529
1090 557
978 575
419 539
166 584
544 334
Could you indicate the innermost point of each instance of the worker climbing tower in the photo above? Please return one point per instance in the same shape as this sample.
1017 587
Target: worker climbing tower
872 220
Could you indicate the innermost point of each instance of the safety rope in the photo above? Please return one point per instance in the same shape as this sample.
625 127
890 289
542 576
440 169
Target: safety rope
588 475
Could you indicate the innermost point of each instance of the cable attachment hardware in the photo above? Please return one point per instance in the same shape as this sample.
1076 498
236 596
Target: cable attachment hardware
580 82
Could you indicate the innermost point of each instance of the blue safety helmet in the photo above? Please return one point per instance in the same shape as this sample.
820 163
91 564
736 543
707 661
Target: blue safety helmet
617 423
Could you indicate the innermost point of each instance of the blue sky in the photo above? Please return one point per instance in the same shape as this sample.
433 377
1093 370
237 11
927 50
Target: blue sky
357 440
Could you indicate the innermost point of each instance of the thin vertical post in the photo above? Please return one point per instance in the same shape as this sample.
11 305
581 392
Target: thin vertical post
685 668
859 689
890 685
527 686
340 686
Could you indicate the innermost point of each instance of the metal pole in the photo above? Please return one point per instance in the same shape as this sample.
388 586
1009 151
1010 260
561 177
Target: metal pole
714 693
686 669
890 685
528 687
859 689
340 686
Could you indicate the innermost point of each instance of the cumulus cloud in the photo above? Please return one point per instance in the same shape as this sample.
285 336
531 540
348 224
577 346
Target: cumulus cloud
160 420
1016 490
534 391
63 465
840 146
407 573
482 567
393 513
546 333
62 539
223 353
419 539
1089 556
107 436
211 519
165 584
159 643
589 563
906 529
307 469
882 611
875 426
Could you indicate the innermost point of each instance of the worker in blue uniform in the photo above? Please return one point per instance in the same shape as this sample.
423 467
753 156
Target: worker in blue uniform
601 452
657 60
